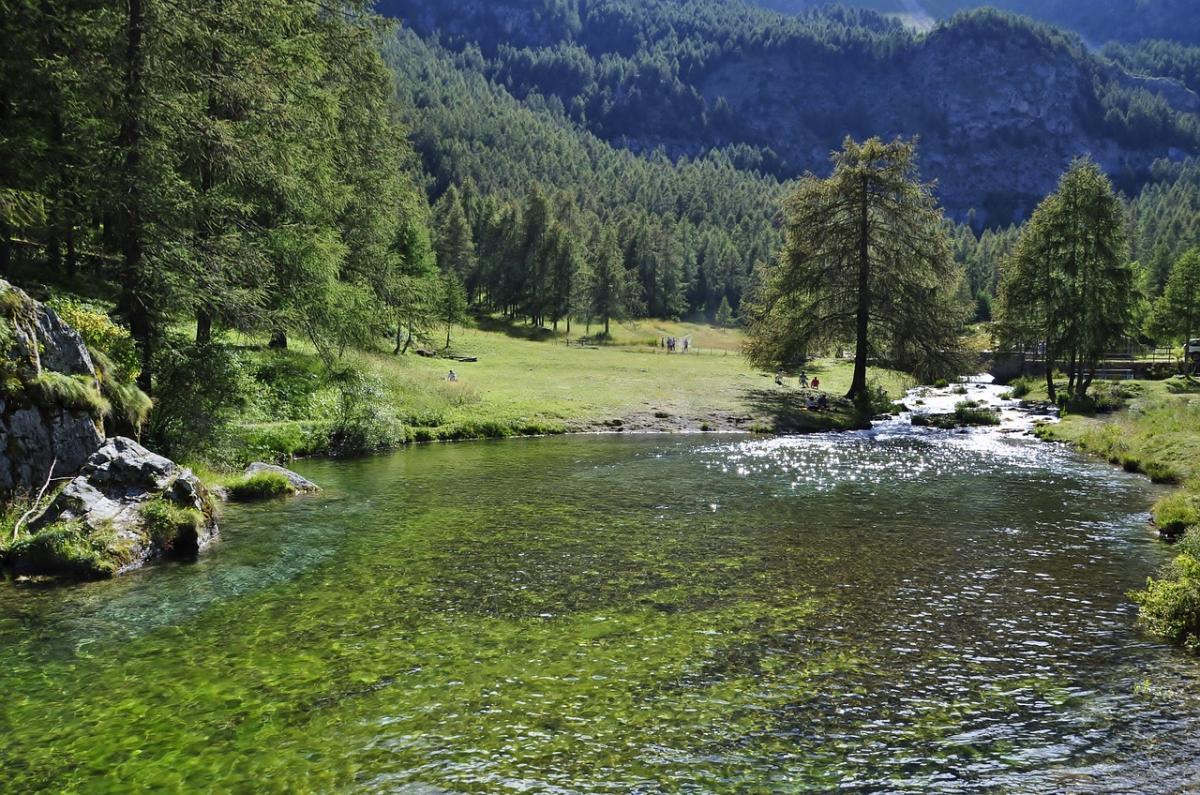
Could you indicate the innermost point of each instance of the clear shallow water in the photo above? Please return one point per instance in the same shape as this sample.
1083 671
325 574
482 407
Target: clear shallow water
883 612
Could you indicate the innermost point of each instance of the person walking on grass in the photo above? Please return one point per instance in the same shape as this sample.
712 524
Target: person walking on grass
803 380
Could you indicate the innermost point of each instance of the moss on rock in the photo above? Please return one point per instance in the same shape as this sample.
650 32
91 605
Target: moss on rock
261 486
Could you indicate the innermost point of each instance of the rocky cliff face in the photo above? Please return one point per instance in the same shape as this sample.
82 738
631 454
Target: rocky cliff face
999 119
50 396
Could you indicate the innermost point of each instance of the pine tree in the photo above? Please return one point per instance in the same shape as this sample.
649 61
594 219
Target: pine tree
724 317
610 282
1069 285
867 259
1176 315
455 245
452 303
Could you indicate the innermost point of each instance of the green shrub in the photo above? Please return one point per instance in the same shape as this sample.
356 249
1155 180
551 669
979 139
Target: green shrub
877 401
480 429
1020 388
261 486
1170 606
941 383
1160 473
364 421
276 442
289 384
68 550
969 412
165 522
201 391
101 334
1176 513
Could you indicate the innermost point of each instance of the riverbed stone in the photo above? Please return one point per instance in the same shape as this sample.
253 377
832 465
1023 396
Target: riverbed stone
127 507
298 482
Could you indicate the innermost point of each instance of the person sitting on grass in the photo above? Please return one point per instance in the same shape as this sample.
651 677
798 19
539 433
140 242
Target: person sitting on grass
816 383
779 378
452 377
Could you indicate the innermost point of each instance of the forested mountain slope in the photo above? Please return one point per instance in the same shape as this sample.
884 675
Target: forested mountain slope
692 230
1097 20
1001 104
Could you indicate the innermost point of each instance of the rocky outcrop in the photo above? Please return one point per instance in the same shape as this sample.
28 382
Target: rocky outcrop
299 483
50 395
127 507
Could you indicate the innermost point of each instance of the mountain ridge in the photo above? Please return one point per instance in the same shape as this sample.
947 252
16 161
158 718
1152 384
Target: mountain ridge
1002 105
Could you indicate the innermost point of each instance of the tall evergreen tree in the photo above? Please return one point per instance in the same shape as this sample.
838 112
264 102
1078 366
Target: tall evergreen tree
1069 285
610 285
866 260
455 244
1176 315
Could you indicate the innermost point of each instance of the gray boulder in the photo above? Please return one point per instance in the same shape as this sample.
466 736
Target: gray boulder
301 484
127 507
38 426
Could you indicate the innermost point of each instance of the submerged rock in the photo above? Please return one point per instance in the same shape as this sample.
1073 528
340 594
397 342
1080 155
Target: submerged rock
127 507
299 483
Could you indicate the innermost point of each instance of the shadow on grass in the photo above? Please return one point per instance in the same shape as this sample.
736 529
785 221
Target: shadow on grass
516 330
786 410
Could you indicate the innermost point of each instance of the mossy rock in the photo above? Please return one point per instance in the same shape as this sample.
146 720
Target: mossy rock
127 507
261 486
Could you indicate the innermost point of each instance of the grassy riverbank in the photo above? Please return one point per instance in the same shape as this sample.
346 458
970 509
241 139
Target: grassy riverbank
525 382
1157 433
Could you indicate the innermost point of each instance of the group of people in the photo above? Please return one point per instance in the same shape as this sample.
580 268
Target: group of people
818 402
804 382
672 344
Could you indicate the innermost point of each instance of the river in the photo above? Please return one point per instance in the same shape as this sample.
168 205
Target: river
895 610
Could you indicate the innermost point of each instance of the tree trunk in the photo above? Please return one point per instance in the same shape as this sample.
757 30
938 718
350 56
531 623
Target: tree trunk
606 318
858 386
132 249
72 254
279 340
1050 389
399 338
204 322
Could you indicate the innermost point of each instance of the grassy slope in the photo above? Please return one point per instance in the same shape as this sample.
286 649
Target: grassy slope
547 385
1159 431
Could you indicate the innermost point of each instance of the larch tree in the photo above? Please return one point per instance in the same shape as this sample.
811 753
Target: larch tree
452 302
1176 314
610 286
866 261
1069 285
455 244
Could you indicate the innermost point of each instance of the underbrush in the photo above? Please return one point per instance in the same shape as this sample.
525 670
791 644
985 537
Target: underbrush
1170 605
